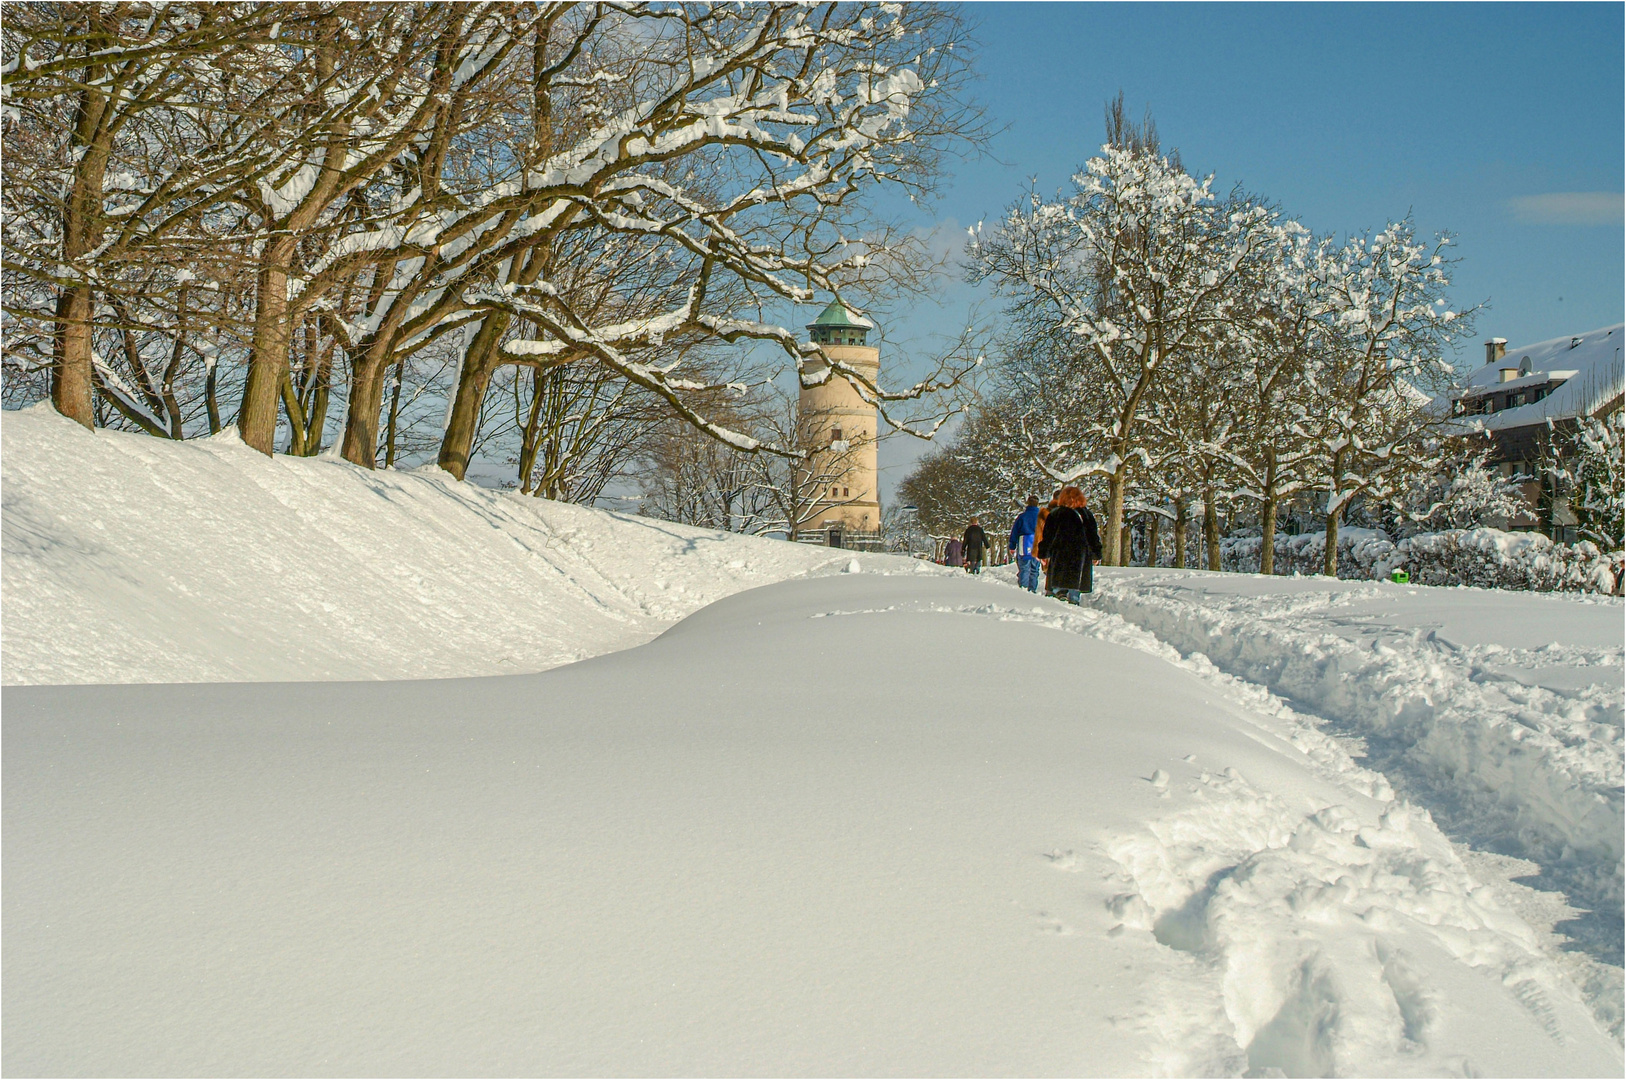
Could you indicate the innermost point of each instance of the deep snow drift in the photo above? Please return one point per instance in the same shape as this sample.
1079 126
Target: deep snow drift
131 559
851 825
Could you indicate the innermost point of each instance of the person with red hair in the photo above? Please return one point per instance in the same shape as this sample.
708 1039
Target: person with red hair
1038 536
1072 543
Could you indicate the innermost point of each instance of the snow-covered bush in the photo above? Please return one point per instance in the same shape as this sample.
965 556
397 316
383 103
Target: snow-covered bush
1362 553
1488 558
1469 492
1501 560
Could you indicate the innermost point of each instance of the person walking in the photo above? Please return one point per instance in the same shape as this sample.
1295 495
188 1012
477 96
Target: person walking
1023 537
973 544
1038 535
953 553
1072 543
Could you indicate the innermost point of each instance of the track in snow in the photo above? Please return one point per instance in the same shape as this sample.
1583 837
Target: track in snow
857 824
1499 713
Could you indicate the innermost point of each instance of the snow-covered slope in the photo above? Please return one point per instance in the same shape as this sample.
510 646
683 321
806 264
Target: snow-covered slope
131 559
856 825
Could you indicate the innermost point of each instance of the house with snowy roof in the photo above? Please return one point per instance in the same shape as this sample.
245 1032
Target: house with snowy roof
1520 399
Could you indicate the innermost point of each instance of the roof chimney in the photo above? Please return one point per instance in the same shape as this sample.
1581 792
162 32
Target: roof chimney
1508 374
1495 349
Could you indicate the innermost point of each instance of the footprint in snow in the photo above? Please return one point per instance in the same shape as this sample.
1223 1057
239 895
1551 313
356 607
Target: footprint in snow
1049 924
1064 860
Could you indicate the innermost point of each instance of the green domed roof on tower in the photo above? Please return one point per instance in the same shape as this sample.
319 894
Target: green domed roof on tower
837 325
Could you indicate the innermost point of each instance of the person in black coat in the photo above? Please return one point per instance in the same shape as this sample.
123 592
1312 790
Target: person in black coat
973 544
1072 544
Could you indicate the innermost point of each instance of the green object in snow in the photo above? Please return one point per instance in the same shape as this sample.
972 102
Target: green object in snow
1400 577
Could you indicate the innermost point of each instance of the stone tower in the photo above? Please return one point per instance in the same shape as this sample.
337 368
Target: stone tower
834 416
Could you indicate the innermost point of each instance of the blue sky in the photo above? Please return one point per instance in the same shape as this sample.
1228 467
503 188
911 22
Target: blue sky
1500 123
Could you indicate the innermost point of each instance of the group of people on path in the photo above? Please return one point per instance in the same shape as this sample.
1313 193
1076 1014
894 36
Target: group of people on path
1060 541
969 550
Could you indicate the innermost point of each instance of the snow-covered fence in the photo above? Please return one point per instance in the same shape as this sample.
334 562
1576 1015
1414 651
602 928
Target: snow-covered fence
1488 558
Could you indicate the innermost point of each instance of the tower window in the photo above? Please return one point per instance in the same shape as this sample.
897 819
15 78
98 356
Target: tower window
844 492
835 434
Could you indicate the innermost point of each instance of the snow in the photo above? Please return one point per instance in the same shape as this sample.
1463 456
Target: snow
870 817
132 559
1500 712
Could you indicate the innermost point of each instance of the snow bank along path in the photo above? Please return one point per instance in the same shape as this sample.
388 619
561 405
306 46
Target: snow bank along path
1500 712
132 559
850 825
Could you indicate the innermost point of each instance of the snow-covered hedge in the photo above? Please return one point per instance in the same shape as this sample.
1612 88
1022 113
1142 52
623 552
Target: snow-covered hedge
1488 558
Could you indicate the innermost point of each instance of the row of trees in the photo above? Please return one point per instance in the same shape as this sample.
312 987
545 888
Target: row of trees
536 231
1196 356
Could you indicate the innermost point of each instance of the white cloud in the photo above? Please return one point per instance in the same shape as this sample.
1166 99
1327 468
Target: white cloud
946 242
1570 208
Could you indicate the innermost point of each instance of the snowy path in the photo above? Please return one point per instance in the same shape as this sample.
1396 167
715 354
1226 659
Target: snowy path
854 825
1501 713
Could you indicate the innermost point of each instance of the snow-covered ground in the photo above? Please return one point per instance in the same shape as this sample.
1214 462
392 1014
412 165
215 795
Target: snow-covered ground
131 559
885 821
859 824
1501 712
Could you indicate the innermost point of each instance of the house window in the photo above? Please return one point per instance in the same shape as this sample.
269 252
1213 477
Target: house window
832 493
843 492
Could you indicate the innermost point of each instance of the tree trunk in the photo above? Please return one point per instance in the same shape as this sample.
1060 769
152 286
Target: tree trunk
531 436
1115 514
1151 539
1329 559
210 400
395 413
1335 507
172 404
366 398
1125 544
268 358
472 379
1267 549
317 424
1180 534
1211 529
71 380
296 419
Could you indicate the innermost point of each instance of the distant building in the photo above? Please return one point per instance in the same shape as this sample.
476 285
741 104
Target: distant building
846 510
1522 397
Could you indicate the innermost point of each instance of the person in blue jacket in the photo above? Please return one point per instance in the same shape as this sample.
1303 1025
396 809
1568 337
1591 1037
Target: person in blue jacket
1021 546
